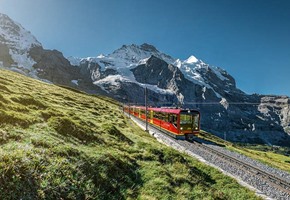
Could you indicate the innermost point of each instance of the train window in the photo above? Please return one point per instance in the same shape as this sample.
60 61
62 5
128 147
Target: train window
189 120
160 116
173 119
185 119
195 121
148 114
142 112
163 116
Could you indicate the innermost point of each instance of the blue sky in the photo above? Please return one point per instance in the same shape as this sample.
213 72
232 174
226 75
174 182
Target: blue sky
248 38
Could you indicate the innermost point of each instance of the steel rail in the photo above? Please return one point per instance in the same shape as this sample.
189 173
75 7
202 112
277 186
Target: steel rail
278 182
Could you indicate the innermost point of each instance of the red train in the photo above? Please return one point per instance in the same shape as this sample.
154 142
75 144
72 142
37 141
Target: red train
179 123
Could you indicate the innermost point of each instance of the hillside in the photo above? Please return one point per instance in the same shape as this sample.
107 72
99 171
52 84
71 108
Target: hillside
60 143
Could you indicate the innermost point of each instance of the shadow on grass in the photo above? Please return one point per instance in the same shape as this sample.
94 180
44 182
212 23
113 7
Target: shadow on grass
72 129
5 89
29 101
114 177
16 119
77 177
117 134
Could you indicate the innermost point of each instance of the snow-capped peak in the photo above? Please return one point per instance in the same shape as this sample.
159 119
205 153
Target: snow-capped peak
125 58
101 56
18 40
15 35
191 60
129 56
134 53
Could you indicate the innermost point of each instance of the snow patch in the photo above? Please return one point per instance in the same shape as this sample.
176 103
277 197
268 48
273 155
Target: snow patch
115 80
178 63
75 82
101 56
253 127
180 98
224 103
218 72
191 60
143 61
74 61
23 60
203 92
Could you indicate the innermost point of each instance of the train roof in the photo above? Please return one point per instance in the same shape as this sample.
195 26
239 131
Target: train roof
166 110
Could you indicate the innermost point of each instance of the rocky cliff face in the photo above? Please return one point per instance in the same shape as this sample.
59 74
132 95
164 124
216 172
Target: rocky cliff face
125 73
51 65
276 110
166 76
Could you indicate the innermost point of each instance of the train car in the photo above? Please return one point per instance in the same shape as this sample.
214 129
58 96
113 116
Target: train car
178 123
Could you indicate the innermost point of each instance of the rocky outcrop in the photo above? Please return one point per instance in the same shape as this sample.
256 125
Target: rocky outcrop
276 109
5 57
51 65
90 70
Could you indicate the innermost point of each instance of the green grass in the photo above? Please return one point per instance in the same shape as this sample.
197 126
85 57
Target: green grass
277 157
271 156
58 143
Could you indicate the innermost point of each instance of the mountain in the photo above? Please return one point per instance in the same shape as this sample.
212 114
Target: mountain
15 44
21 52
226 110
125 73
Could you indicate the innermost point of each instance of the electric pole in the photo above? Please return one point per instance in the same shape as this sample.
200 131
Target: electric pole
146 109
129 110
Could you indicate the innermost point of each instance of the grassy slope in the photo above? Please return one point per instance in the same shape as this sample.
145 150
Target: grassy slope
56 143
273 157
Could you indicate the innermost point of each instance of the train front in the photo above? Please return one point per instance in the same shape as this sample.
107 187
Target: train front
189 122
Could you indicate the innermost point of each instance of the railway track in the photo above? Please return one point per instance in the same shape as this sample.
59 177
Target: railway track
279 181
271 184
